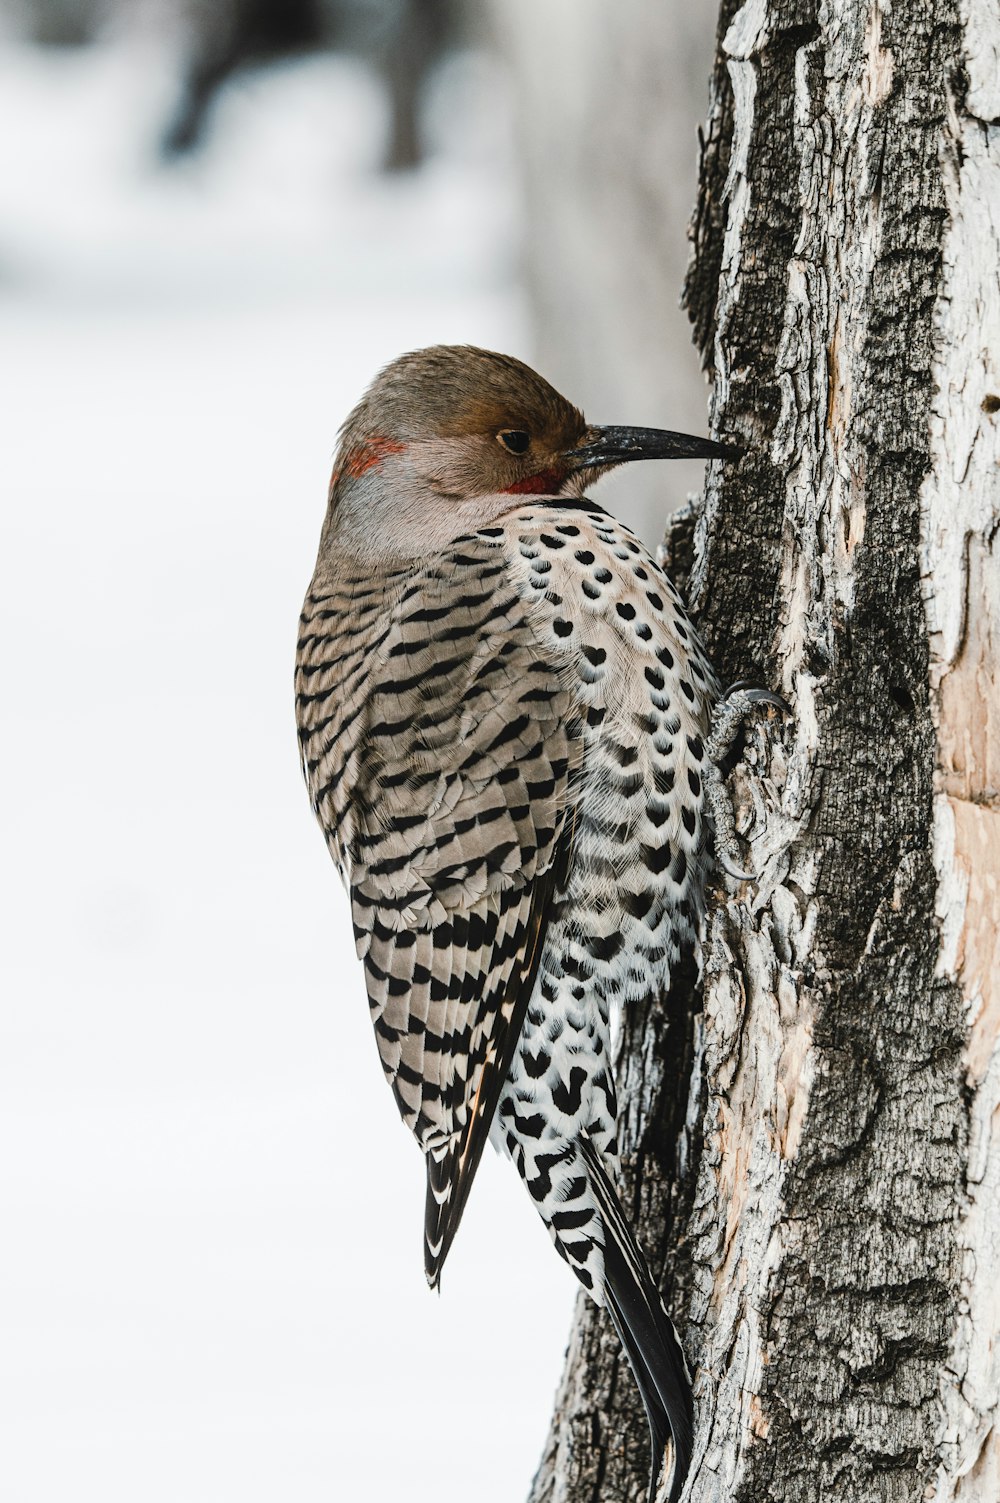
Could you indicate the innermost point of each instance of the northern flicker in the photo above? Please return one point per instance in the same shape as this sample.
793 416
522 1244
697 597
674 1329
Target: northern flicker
503 712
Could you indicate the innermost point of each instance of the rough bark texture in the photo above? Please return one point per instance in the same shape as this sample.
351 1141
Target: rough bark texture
812 1147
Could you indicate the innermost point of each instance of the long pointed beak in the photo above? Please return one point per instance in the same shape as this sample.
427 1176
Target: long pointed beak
610 446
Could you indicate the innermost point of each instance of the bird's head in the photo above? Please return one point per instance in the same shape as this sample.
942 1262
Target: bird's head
448 439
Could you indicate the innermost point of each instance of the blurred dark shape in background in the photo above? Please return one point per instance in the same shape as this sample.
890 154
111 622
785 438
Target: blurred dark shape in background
402 39
62 23
226 36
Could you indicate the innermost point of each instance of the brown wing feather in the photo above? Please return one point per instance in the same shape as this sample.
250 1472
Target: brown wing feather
450 1172
440 762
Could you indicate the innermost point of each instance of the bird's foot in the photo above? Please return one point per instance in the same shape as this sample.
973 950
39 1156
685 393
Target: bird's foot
727 721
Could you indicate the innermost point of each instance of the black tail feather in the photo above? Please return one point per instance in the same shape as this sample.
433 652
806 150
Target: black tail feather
647 1336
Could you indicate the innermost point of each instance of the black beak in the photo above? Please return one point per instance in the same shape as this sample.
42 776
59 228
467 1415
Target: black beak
610 446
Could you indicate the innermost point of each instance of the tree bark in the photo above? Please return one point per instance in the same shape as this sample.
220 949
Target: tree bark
810 1137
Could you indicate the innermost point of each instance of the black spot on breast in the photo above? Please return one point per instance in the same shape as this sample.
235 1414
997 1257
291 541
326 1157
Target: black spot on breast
605 947
656 601
654 677
643 632
603 576
595 655
562 628
623 755
584 556
541 1185
551 542
572 967
569 530
591 591
665 656
530 1127
637 904
625 611
657 812
656 858
568 1094
536 1065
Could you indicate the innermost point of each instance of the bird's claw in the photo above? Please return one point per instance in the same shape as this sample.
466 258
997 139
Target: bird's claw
752 695
736 872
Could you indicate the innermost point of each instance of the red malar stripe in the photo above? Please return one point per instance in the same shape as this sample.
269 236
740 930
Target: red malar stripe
545 483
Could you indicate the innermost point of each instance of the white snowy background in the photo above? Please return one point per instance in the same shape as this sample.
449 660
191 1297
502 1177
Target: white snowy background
211 1285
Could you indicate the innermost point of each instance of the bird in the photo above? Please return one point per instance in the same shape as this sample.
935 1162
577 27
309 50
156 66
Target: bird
502 712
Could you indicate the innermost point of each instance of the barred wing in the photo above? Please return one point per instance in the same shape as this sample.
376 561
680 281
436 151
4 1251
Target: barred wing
454 747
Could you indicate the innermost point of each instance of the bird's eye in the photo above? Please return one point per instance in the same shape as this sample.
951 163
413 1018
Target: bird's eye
514 439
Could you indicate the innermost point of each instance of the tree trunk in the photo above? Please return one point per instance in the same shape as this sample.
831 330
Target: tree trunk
811 1144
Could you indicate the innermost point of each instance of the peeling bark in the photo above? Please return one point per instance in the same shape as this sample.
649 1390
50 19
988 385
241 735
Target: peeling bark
811 1146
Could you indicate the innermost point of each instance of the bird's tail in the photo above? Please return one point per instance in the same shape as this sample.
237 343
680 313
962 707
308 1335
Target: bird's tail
647 1336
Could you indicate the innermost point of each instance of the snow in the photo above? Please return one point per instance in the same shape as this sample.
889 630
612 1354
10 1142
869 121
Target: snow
210 1269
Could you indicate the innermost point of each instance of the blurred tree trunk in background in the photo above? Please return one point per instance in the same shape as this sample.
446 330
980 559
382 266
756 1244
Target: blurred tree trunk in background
812 1154
609 99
